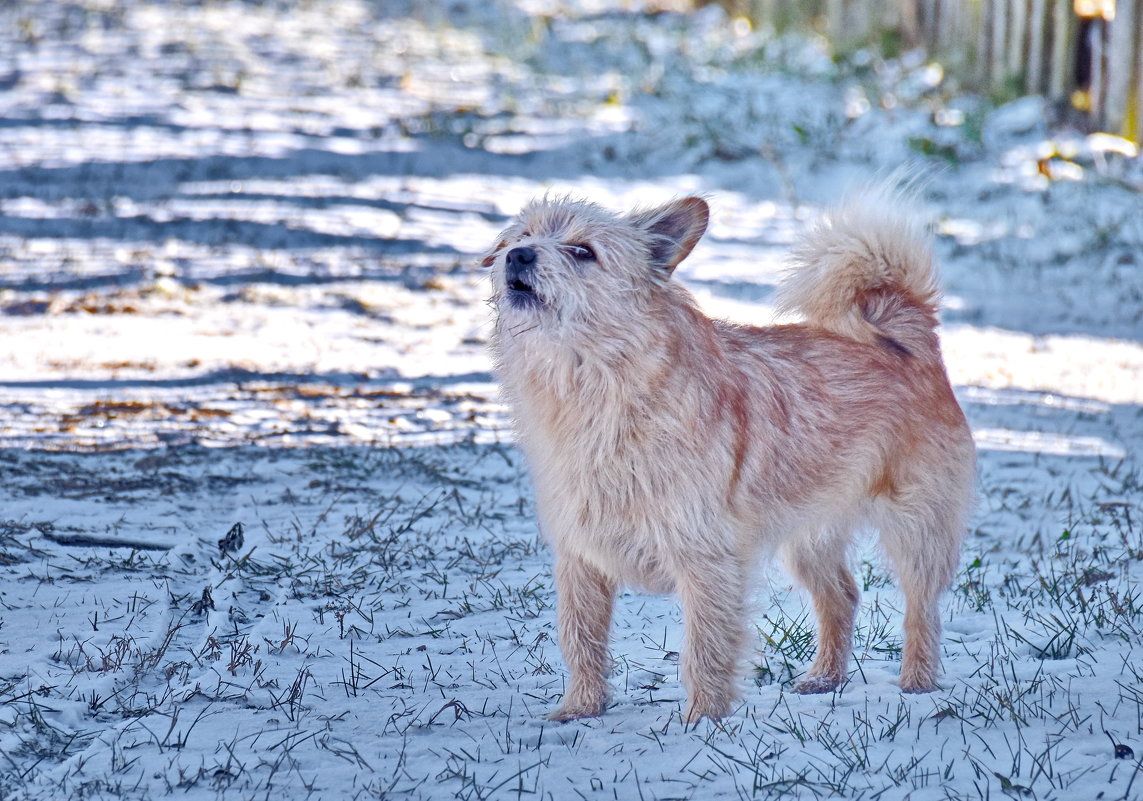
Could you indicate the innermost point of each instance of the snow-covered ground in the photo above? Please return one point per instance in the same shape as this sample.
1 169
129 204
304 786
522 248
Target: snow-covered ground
239 249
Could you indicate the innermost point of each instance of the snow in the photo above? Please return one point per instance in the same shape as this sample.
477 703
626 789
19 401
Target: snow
239 249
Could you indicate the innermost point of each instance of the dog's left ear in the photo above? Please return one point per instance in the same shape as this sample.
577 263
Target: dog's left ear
675 229
491 255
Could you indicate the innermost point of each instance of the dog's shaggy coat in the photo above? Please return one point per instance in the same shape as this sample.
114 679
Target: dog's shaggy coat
669 451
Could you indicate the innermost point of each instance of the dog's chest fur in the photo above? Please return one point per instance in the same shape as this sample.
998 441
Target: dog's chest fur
620 480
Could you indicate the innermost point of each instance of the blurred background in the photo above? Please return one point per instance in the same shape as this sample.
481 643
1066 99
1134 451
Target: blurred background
261 222
1083 56
240 248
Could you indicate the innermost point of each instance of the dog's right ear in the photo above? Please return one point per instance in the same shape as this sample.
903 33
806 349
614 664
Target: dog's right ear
675 229
491 257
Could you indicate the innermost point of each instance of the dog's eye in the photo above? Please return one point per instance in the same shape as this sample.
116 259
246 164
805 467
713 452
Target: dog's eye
581 252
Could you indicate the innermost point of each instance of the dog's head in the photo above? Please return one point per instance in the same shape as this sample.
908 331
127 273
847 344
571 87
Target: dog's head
567 265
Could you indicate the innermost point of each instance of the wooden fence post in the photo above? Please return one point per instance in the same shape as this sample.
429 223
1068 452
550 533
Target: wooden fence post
1063 50
1034 78
1136 118
1017 57
1120 65
998 16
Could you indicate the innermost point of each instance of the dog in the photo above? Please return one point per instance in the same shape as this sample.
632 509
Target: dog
670 452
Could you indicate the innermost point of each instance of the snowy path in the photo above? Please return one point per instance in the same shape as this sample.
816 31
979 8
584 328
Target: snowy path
241 241
246 228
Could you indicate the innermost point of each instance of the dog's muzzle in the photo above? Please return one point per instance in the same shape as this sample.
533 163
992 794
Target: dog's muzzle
519 275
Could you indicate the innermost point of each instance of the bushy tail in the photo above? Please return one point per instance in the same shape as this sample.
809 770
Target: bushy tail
866 271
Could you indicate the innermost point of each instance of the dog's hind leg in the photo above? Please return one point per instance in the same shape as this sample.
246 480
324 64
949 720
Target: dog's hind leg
922 541
585 598
820 562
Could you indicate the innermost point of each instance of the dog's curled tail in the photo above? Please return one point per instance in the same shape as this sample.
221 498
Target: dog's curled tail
865 271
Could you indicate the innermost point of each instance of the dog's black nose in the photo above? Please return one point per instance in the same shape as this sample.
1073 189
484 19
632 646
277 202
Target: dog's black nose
518 266
520 258
519 273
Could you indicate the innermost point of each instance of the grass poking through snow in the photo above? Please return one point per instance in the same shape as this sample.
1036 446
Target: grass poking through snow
386 630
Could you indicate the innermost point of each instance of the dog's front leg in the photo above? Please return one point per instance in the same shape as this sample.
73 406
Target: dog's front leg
713 598
584 600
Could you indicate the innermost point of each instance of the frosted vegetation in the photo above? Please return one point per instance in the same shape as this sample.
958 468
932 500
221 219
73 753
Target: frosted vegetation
263 529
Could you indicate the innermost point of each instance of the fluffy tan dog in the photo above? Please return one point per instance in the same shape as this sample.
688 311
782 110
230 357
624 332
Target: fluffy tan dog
670 451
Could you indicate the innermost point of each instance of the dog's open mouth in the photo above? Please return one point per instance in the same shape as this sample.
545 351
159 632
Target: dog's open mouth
522 295
519 269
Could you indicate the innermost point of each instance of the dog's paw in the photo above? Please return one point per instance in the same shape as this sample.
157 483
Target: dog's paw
581 703
699 707
569 711
917 681
917 686
815 685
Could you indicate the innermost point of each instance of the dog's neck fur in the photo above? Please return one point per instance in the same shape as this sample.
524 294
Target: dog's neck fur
627 364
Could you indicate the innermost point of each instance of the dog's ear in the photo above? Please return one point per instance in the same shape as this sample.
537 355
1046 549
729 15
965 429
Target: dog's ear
491 256
674 228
